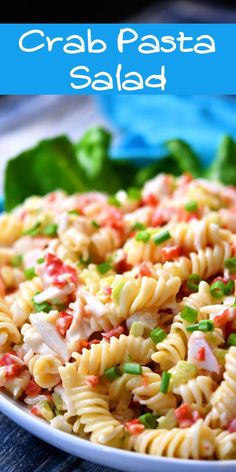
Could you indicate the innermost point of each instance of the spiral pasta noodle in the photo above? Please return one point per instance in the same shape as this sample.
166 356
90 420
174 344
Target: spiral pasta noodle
118 318
173 348
44 369
146 292
196 392
226 445
10 229
23 305
196 442
92 408
223 401
101 356
8 329
146 392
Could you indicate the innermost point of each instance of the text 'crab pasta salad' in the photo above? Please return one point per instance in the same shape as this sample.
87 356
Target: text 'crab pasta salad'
118 315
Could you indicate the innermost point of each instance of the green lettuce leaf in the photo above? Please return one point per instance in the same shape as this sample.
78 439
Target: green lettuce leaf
92 153
166 164
184 157
224 165
50 165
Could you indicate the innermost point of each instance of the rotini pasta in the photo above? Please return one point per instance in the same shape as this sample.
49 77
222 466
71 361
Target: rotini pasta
118 318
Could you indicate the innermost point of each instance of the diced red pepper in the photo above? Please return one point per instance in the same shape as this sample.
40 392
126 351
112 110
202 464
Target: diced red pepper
222 319
232 426
92 380
134 427
169 253
55 268
113 332
123 266
114 218
145 269
150 200
201 354
35 410
107 291
182 412
33 389
13 368
185 416
161 216
63 322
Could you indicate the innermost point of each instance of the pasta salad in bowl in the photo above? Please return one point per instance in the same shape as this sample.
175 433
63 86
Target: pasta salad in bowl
118 315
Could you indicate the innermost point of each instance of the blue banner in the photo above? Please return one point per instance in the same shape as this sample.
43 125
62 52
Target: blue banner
117 59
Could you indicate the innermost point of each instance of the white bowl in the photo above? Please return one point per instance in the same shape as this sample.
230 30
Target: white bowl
107 456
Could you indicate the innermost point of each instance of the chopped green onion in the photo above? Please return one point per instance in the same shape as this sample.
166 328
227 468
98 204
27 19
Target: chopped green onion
112 373
143 236
132 368
137 329
34 231
231 341
74 212
134 193
217 289
157 335
161 237
230 264
95 224
193 282
16 261
206 325
191 206
203 325
138 226
165 380
30 273
148 420
229 287
44 306
112 200
104 267
50 230
189 314
40 260
191 328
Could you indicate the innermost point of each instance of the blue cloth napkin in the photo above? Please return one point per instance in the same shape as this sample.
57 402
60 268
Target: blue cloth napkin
147 121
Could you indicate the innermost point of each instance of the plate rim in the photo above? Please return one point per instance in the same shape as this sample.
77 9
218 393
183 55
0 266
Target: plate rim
41 429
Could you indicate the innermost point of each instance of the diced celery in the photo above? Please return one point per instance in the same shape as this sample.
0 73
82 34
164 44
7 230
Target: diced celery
116 290
213 339
58 402
45 410
220 355
137 328
167 422
182 372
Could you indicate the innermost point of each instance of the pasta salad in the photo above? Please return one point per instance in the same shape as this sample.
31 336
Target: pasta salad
118 315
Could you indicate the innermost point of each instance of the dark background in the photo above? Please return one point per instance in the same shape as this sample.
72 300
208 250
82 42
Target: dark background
98 12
